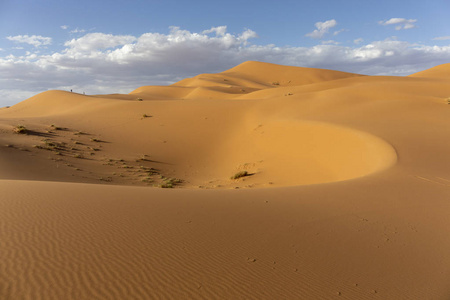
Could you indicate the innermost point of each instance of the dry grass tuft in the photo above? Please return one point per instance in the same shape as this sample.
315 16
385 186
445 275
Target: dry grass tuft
20 129
239 175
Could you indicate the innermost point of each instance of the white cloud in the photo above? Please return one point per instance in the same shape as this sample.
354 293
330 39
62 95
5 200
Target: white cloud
105 63
98 41
358 41
322 29
64 27
219 31
400 23
34 40
246 35
442 38
330 42
76 30
338 31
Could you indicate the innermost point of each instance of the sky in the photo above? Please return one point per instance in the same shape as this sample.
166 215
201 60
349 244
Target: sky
112 46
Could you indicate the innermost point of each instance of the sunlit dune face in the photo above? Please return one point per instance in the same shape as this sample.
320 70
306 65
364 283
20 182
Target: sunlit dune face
284 153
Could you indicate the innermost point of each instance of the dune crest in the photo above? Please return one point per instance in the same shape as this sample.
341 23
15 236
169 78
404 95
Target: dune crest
441 71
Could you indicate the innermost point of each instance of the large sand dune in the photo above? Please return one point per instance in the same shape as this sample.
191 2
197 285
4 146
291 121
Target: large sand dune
346 195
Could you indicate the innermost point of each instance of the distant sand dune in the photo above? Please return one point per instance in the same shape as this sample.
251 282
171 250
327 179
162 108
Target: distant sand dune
344 189
441 71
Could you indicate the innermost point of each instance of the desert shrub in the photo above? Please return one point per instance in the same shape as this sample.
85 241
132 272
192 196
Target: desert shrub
56 127
21 129
166 185
170 183
239 175
147 179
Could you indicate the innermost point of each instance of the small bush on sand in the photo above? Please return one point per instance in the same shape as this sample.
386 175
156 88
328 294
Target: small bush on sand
20 129
170 183
239 175
53 126
139 99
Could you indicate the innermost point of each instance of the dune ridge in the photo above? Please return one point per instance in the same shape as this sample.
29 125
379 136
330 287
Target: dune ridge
345 194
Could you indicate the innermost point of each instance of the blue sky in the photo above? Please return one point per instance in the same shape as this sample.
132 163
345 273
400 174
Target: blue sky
116 46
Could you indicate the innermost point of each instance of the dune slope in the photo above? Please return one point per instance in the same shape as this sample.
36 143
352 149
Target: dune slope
345 195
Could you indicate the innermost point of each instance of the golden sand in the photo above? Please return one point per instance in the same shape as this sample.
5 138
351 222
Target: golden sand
346 194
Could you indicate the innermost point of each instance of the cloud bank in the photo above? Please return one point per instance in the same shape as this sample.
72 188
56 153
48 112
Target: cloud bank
106 63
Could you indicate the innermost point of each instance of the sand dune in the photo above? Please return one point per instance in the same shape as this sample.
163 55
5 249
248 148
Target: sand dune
346 193
441 71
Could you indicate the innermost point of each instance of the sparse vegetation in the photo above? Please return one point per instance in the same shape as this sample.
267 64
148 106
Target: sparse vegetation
239 174
145 116
448 100
142 158
166 185
169 183
21 129
147 179
139 99
95 140
53 126
50 145
78 156
275 83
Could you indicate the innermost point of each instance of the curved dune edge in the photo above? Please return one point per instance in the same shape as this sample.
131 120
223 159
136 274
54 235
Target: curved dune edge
293 152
